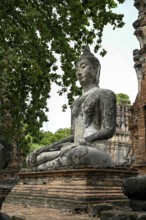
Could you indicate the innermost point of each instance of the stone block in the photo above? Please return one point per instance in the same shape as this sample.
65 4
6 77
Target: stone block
4 217
137 205
123 215
95 210
135 187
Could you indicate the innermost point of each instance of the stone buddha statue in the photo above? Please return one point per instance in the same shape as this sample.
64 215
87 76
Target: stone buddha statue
93 123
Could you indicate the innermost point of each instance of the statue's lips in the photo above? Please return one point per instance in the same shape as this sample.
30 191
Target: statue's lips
81 78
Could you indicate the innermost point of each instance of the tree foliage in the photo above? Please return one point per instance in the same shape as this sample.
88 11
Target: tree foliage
123 99
32 34
44 138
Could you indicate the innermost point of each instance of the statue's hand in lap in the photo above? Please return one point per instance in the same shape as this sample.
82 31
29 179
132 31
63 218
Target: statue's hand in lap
32 158
67 147
82 142
37 155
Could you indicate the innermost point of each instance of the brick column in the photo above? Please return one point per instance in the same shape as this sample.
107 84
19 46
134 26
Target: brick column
138 111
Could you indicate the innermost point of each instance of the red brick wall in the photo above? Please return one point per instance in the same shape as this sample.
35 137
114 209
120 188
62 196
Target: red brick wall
137 123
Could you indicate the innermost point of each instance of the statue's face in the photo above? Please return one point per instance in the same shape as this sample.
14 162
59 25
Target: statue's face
86 74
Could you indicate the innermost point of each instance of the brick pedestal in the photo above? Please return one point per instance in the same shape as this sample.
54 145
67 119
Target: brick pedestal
69 189
8 179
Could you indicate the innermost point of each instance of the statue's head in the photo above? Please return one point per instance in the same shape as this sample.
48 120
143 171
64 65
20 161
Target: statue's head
87 59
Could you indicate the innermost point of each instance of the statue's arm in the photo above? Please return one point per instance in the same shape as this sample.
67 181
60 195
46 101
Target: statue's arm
55 146
108 117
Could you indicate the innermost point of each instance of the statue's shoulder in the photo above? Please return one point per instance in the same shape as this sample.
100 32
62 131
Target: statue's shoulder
107 95
74 103
103 92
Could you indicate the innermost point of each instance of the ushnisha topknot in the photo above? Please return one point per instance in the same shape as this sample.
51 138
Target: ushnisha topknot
88 55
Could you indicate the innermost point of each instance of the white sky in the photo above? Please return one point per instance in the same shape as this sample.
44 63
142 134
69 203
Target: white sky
117 72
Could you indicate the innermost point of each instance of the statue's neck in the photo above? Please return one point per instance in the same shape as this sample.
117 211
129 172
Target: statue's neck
89 87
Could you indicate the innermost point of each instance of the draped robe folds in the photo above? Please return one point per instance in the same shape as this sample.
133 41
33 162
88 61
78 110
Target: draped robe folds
93 123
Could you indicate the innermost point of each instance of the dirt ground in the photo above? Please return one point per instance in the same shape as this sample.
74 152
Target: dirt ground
33 213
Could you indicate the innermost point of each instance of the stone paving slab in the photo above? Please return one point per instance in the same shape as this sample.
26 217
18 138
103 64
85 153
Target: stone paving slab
33 213
123 215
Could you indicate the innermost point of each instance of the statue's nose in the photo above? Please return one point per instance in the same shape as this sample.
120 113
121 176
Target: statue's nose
79 73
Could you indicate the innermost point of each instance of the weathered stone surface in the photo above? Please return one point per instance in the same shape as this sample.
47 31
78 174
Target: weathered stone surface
96 209
122 215
135 187
5 217
4 154
7 181
137 205
33 213
93 123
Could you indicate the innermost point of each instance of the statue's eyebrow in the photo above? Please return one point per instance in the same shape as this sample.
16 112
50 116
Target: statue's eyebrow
79 64
83 62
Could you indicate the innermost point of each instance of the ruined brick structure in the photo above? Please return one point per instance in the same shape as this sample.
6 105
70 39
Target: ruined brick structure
119 146
8 176
138 120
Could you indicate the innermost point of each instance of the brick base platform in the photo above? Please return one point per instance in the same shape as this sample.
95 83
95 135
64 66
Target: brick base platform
8 180
70 188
